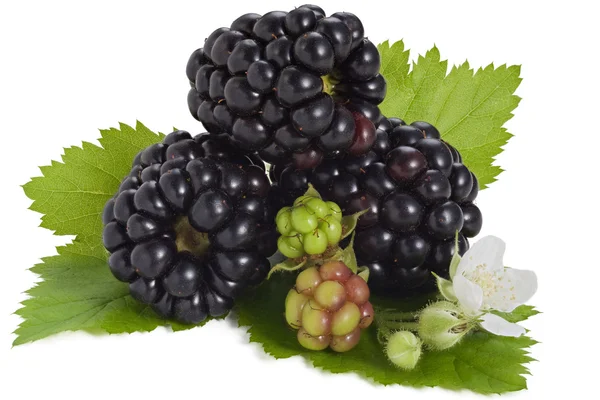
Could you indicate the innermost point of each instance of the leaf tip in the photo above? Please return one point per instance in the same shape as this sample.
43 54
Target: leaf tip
139 125
384 44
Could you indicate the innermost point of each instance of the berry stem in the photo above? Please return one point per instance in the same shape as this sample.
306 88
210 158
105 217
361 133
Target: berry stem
404 326
328 84
389 321
398 316
324 219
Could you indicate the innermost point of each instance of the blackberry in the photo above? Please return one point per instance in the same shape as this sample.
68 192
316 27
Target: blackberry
190 227
419 194
290 182
293 86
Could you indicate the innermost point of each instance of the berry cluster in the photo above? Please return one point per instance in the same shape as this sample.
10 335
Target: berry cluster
190 227
293 86
290 182
419 194
193 223
329 306
310 226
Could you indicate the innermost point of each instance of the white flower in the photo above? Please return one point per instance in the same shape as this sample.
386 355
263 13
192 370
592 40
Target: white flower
481 283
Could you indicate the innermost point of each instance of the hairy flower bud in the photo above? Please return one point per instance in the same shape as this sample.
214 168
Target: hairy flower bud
403 349
442 325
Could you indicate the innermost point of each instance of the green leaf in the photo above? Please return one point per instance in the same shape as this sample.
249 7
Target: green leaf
468 107
519 314
77 291
72 193
482 362
394 67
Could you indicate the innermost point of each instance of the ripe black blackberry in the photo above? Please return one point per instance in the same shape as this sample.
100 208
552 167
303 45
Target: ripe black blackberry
190 227
290 182
291 86
418 194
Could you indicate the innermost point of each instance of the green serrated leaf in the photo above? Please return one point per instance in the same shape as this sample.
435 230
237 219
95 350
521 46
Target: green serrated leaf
77 291
468 107
71 194
483 363
519 314
394 67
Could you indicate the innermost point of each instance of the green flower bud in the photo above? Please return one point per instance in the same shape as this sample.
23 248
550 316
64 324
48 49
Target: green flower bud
442 325
403 349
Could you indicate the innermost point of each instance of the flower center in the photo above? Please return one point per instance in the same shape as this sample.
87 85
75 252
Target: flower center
489 282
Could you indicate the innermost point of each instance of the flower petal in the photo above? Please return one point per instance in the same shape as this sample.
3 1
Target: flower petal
489 250
469 295
499 326
518 286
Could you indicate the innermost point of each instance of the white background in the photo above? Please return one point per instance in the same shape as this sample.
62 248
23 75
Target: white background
68 68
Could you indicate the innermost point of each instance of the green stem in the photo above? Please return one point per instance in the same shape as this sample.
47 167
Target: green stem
382 336
403 326
389 322
398 316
